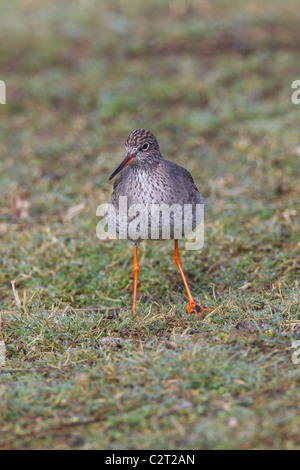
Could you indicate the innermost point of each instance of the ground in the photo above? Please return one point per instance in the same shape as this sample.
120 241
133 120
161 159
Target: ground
212 80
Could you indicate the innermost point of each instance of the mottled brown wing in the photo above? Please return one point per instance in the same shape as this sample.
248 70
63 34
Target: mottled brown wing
177 169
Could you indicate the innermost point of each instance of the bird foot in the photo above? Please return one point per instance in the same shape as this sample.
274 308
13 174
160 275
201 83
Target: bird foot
193 307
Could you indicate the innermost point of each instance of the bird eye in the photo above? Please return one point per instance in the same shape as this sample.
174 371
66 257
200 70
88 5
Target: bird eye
145 146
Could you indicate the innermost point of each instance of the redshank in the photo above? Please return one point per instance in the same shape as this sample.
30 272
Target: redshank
147 181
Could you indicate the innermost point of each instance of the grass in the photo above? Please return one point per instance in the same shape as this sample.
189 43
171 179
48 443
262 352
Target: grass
213 81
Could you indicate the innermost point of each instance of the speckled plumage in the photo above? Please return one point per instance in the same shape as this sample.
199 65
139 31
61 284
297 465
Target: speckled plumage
139 137
150 179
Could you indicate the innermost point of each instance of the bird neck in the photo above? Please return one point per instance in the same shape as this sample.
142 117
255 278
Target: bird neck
147 164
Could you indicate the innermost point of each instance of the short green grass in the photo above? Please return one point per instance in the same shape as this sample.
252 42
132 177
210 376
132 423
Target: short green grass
213 81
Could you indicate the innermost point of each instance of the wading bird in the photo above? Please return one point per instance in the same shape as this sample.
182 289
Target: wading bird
147 180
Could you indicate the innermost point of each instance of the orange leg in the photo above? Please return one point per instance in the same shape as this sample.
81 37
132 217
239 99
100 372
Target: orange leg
136 269
192 306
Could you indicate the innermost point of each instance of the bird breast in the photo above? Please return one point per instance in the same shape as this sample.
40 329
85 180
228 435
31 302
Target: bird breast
154 205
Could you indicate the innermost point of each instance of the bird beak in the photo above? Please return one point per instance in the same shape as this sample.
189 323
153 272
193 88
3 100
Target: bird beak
127 160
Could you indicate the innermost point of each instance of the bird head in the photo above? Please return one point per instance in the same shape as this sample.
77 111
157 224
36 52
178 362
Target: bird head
141 149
